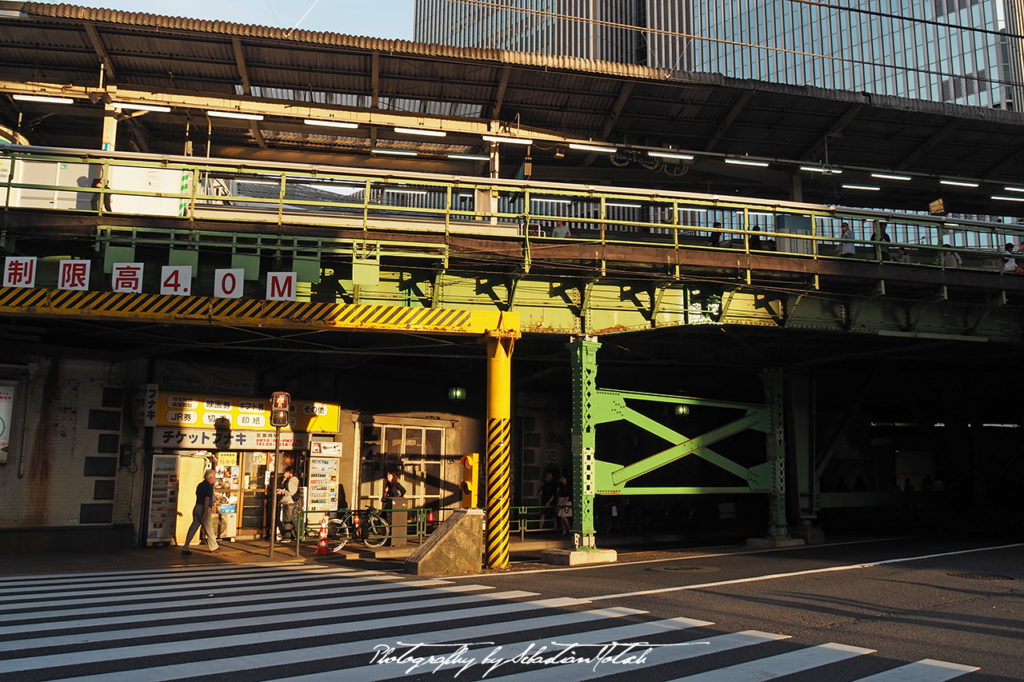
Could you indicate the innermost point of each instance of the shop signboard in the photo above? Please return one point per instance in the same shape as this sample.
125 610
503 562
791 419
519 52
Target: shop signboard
175 408
144 402
179 438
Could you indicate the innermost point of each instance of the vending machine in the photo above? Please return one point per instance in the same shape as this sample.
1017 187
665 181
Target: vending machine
225 495
323 492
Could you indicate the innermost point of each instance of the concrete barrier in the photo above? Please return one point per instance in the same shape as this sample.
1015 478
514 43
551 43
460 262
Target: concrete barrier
456 546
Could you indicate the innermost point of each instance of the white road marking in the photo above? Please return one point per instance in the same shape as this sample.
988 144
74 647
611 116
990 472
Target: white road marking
32 586
359 591
625 633
658 656
224 642
926 670
793 574
65 578
225 665
180 582
776 666
716 555
31 609
233 623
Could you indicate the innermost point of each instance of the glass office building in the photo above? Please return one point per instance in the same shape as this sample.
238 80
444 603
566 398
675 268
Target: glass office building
955 51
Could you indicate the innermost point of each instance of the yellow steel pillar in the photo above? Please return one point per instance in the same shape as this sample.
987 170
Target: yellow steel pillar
499 452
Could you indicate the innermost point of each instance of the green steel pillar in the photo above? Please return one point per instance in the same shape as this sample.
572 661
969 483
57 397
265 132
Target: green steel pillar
773 397
583 355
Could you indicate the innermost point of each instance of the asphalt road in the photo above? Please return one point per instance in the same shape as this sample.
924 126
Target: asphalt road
866 610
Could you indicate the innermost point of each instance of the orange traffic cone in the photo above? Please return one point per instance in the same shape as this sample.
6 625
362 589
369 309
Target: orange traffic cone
321 547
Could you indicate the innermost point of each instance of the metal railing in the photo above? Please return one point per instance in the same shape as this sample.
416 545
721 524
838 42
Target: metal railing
212 190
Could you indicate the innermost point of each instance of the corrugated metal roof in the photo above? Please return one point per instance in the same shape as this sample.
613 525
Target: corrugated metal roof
566 96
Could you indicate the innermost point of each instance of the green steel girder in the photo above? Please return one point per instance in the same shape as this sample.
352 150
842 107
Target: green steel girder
593 476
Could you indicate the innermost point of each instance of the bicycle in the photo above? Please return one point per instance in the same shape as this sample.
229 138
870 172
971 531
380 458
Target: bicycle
367 525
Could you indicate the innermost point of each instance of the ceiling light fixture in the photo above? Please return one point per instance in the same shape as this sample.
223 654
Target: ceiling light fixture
509 140
958 183
235 114
140 107
44 100
997 198
593 148
330 124
866 188
394 152
822 170
886 176
744 162
670 155
421 131
1014 189
470 157
623 205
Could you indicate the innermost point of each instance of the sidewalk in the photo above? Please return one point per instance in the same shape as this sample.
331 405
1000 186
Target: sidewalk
256 552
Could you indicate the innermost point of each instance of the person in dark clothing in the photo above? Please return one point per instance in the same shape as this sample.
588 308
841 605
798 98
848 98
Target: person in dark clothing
880 235
564 512
755 239
288 497
392 488
99 184
202 515
548 497
716 235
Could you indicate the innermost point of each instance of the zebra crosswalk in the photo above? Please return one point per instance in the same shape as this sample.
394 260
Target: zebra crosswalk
300 623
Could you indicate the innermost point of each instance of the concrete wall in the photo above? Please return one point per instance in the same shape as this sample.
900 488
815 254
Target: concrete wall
63 469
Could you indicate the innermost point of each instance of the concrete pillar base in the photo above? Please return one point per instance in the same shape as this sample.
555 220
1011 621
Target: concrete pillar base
774 543
578 557
457 546
808 533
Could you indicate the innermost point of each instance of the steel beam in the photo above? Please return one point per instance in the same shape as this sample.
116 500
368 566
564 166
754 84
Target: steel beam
776 446
247 105
202 310
583 359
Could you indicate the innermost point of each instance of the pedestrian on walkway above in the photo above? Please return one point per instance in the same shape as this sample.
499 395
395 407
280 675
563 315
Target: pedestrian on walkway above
201 514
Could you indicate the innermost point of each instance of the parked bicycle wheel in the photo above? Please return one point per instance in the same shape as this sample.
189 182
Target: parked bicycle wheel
376 531
338 534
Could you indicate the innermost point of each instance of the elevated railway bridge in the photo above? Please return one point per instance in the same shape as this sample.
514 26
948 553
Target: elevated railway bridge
441 256
196 214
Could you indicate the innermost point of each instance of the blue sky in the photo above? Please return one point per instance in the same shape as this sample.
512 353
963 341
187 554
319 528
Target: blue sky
376 18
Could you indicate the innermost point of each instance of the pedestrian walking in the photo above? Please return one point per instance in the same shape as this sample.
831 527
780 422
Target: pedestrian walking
202 514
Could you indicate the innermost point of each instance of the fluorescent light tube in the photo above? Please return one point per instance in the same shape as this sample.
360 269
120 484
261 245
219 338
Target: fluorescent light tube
140 107
44 100
593 148
510 140
394 152
421 131
235 114
470 157
330 124
886 176
743 162
670 155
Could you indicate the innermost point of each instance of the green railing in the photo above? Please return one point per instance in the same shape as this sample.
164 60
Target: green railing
393 202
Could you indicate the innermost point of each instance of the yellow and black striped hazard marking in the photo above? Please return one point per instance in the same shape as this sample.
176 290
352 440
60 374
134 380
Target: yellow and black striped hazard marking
97 305
499 454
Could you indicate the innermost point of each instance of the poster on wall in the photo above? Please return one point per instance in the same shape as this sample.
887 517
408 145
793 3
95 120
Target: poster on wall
6 410
163 501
